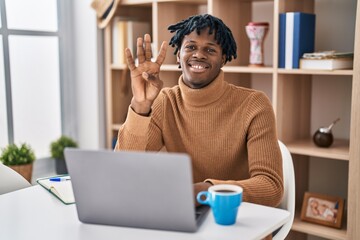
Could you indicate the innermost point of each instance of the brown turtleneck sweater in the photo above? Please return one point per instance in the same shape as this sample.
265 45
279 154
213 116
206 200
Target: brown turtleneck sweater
228 131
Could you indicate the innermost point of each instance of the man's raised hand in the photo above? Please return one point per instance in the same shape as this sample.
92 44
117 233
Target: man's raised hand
145 81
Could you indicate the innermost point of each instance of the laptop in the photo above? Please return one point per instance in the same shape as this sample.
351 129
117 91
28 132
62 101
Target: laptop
134 189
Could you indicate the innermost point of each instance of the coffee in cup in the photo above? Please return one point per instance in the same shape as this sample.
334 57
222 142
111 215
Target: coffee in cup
224 200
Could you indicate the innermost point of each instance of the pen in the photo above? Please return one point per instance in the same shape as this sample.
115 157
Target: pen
59 179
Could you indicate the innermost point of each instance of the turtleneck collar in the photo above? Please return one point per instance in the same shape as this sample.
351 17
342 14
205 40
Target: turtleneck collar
203 96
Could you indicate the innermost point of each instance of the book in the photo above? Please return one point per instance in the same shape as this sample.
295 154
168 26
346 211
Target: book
326 63
119 41
328 54
282 36
124 35
296 37
136 29
60 189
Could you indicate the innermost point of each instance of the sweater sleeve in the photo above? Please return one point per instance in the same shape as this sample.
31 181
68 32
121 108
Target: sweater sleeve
265 185
141 133
132 134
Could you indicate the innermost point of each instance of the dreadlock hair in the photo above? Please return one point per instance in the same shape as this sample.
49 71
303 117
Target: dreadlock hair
223 35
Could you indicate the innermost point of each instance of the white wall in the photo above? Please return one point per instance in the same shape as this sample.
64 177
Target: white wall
90 129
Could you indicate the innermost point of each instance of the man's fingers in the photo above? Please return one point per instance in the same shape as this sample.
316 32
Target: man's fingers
148 52
140 50
162 54
130 59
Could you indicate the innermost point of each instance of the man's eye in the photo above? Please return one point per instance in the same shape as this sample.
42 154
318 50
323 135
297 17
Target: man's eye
211 50
190 47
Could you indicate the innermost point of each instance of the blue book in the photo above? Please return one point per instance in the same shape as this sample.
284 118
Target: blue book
296 37
282 26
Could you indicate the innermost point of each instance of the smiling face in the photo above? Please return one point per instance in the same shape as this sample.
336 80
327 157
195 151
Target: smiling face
201 59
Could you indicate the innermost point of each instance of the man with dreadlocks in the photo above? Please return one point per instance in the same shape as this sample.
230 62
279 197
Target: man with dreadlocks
229 131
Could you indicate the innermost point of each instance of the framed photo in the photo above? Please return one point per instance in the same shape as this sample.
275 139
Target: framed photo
322 209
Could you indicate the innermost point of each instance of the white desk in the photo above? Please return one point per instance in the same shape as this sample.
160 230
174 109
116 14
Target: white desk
33 213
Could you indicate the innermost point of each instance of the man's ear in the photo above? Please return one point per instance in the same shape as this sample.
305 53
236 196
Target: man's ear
223 60
178 59
178 56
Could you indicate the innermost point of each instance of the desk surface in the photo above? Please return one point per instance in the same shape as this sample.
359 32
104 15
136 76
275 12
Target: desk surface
33 213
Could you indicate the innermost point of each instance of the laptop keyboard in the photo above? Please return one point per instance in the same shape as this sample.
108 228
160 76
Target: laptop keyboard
201 211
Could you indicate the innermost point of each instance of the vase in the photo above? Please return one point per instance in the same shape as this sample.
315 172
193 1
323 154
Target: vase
24 170
256 32
60 166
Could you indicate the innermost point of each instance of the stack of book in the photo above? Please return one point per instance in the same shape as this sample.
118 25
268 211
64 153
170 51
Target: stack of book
296 37
327 60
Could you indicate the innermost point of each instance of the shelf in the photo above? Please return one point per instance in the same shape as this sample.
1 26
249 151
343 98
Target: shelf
137 2
227 69
116 127
170 67
245 69
318 230
316 72
338 150
292 91
118 66
142 2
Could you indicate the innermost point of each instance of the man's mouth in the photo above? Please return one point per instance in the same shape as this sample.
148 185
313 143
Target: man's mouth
198 66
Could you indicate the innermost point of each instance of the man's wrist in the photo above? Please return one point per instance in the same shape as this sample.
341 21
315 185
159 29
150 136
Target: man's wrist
141 114
141 109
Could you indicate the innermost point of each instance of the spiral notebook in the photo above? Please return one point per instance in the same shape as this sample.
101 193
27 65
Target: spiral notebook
60 189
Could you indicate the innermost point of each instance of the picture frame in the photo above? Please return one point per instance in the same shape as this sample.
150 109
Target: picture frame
322 209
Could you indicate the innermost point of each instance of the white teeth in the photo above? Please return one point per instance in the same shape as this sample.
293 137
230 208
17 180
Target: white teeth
197 66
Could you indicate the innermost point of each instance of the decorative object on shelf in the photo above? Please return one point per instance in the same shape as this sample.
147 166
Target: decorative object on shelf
105 10
19 158
296 37
322 209
57 152
323 137
257 31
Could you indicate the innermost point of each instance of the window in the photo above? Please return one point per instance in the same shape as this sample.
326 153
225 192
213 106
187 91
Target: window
3 113
31 73
33 15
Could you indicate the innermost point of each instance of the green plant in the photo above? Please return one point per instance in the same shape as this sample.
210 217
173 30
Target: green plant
57 147
17 155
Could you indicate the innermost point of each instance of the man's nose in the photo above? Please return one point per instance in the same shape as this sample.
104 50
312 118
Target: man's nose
200 53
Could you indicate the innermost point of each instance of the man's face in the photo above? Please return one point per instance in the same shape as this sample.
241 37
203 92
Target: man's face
201 59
